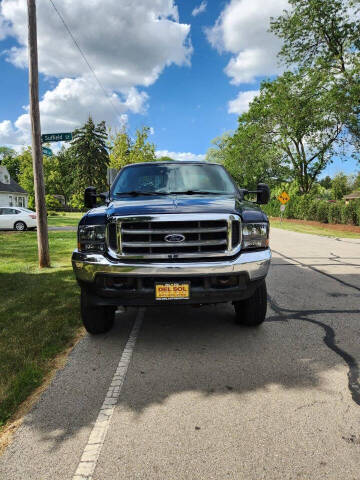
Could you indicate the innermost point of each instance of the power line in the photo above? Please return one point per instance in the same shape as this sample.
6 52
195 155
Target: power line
85 59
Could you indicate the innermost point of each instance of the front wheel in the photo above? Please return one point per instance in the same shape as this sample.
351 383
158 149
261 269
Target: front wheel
252 311
96 320
20 226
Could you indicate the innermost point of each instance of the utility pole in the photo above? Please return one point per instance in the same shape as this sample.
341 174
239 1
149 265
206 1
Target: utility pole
39 187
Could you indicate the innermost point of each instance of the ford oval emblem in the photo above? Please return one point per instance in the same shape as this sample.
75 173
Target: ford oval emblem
174 238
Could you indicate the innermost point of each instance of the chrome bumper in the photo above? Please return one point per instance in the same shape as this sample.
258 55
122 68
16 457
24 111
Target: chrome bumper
87 266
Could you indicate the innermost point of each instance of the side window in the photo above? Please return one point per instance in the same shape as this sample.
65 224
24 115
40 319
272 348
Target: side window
7 211
16 211
1 211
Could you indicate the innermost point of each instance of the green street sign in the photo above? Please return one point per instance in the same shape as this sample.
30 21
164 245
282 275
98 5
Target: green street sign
56 137
47 151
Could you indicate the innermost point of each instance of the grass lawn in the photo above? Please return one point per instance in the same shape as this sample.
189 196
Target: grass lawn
39 313
63 219
319 229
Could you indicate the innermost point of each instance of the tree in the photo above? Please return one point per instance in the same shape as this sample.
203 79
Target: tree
339 186
294 117
166 159
26 173
218 152
124 151
252 158
60 167
119 149
326 182
320 33
325 35
9 159
90 155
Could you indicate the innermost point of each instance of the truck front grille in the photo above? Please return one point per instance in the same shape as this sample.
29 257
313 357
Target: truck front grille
172 236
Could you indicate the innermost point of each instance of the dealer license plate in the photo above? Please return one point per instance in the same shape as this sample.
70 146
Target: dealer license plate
172 291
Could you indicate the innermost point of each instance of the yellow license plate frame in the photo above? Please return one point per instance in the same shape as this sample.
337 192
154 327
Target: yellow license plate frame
172 291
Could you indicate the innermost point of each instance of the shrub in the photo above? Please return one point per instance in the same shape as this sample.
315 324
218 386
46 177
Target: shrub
322 211
312 209
52 203
334 212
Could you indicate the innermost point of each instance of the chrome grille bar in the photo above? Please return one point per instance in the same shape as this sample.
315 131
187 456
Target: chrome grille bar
177 230
177 245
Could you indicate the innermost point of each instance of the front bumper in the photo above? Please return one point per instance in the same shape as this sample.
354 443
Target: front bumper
102 277
86 266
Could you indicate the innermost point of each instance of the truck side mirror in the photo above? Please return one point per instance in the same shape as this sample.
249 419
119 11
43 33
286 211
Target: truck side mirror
90 197
263 193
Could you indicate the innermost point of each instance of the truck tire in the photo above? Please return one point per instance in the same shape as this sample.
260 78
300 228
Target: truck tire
252 311
96 320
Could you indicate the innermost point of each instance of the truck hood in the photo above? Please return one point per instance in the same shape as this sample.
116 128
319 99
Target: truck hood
177 204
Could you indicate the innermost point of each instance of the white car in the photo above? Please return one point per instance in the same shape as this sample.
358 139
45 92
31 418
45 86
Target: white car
17 218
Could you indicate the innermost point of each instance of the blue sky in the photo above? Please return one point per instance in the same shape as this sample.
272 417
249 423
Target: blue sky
164 67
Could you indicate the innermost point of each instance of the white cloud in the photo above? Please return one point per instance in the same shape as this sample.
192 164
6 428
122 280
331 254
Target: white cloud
240 104
69 104
180 155
200 9
242 29
127 43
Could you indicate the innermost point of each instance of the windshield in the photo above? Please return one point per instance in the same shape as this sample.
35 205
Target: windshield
177 178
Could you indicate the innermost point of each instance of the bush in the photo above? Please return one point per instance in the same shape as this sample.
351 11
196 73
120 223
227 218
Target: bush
52 203
312 210
322 212
334 212
53 213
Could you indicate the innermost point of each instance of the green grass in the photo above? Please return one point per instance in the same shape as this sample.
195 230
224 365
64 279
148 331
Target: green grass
313 229
63 219
39 313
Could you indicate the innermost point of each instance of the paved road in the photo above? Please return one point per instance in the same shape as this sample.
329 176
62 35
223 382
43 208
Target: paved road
206 399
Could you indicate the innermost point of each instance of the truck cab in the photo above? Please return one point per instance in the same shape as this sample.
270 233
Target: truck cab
172 233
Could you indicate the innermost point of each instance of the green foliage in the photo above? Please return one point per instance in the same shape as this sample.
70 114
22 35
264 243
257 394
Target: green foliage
294 115
326 182
62 166
52 203
90 156
166 159
339 186
124 150
291 130
324 35
220 149
310 207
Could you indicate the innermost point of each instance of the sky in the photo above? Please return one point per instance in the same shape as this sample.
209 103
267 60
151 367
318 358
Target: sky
186 68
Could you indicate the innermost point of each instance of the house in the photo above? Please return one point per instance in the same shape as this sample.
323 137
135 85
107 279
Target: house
351 196
11 194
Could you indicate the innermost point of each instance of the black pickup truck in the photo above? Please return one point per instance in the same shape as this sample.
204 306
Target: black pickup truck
172 233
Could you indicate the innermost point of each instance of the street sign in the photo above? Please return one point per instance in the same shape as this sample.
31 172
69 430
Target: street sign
283 198
47 151
282 208
56 137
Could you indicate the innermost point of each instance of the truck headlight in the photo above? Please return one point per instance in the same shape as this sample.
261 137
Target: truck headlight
91 238
255 235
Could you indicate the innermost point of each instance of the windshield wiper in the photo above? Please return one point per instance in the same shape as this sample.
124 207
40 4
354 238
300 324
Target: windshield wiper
195 192
135 193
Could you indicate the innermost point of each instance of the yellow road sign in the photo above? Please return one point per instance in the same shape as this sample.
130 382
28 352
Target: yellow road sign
283 198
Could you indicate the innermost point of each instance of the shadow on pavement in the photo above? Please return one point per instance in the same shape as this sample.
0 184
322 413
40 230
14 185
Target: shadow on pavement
188 349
